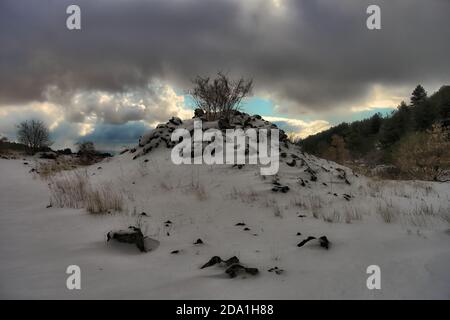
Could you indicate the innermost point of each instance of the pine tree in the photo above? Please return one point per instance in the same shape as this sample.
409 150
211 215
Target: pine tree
425 114
396 126
418 95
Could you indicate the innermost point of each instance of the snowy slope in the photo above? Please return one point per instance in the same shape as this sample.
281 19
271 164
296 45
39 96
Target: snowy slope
413 251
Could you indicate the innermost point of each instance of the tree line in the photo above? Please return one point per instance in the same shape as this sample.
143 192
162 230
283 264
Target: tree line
406 132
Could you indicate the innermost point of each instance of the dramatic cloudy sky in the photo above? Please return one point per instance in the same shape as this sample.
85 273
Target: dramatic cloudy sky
314 63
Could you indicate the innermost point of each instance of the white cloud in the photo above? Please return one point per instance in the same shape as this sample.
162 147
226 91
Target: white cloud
155 102
302 128
71 115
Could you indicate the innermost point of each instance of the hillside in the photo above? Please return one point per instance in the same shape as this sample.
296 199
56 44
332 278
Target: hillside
403 227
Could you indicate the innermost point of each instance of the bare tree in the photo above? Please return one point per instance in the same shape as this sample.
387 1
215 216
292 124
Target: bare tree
221 96
34 134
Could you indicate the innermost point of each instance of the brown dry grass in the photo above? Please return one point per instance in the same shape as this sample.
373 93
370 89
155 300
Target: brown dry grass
74 190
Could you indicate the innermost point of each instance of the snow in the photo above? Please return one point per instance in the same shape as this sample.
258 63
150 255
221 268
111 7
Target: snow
37 244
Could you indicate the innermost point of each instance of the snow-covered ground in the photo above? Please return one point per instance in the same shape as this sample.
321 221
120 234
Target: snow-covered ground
400 226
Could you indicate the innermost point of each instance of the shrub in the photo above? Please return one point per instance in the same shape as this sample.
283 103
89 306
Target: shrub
424 155
86 152
220 97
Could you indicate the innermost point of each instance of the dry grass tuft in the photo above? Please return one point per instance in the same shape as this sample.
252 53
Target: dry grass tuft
316 205
332 217
277 210
248 196
351 214
69 189
104 199
387 211
47 169
73 190
198 189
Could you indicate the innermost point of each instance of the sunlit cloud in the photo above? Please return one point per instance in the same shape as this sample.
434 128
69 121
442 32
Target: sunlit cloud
381 97
300 128
71 116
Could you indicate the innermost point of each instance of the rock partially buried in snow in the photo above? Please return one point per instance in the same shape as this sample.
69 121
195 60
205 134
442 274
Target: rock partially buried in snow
323 241
218 260
176 121
283 189
237 269
213 261
199 241
303 242
134 235
277 270
234 268
292 163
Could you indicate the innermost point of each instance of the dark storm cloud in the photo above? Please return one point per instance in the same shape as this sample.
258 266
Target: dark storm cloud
125 134
315 54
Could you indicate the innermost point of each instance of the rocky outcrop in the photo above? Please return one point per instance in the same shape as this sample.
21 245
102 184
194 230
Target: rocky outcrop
311 170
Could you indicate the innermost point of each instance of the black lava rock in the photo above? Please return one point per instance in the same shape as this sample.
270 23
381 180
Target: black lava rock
324 243
303 242
199 241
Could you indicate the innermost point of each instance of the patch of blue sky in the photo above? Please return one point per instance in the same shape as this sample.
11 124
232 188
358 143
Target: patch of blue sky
265 107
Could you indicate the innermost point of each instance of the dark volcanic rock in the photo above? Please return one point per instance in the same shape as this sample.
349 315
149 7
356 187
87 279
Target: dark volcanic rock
199 113
292 163
279 188
303 242
276 270
234 270
231 261
199 241
237 269
176 121
132 236
324 243
218 260
213 261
